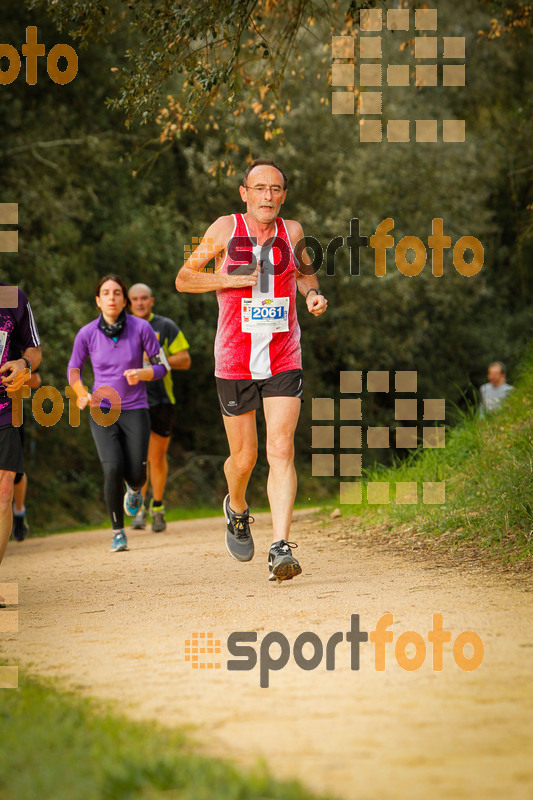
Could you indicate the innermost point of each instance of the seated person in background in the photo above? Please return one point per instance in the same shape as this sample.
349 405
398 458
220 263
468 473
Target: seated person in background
493 392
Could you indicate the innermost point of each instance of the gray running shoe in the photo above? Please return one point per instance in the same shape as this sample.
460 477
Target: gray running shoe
159 523
281 563
239 540
139 520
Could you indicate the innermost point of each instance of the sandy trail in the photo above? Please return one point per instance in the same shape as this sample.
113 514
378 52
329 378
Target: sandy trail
114 626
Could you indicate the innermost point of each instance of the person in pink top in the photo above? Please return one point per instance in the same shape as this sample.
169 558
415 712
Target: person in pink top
260 264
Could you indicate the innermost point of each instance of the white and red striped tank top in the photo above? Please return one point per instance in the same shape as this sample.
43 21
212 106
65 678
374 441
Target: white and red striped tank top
258 355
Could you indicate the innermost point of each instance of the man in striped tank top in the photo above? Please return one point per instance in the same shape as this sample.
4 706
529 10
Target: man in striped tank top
260 263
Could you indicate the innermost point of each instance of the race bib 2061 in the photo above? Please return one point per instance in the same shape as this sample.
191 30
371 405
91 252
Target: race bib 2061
268 315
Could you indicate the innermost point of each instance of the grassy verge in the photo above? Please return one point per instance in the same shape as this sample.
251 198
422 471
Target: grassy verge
57 746
487 465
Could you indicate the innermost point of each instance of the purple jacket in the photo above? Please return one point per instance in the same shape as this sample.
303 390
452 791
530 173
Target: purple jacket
109 359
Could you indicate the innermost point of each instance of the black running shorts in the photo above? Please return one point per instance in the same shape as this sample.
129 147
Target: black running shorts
239 397
161 417
11 457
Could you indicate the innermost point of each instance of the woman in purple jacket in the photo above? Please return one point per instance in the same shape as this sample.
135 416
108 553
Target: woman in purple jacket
115 344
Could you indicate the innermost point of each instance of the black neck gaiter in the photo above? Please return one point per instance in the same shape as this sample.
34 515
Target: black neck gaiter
115 329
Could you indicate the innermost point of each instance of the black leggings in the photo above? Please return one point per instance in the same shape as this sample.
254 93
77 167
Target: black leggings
123 451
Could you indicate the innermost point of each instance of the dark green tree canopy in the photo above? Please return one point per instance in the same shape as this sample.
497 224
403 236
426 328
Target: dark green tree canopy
229 50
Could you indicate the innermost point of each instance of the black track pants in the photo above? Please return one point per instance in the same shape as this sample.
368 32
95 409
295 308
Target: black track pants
123 450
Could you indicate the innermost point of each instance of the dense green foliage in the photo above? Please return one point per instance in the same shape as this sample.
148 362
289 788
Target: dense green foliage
488 468
221 51
97 196
63 748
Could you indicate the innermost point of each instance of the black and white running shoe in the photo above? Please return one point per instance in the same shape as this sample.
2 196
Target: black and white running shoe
239 540
281 563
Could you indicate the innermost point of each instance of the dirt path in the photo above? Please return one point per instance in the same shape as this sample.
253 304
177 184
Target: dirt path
114 626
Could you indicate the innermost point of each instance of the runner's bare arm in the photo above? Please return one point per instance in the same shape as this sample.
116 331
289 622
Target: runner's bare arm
34 381
214 242
305 278
34 355
180 360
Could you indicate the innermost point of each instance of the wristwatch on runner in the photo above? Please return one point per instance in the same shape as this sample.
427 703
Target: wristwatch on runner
28 362
312 289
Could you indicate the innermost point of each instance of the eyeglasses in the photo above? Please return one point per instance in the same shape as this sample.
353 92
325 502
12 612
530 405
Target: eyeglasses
275 190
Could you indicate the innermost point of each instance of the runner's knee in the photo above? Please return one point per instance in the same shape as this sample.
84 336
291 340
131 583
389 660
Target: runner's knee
243 461
157 460
6 489
136 478
280 448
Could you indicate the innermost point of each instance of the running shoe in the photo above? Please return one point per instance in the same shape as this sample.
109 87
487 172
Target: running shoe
281 563
20 527
119 542
139 520
159 523
132 501
239 540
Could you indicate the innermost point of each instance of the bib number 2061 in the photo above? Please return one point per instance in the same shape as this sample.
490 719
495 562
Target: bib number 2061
267 312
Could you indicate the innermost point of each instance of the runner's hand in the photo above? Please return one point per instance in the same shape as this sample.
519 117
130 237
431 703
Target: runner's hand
132 376
316 304
236 281
18 374
83 402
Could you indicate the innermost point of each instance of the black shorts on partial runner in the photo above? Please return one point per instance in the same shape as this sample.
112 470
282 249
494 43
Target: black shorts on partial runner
161 418
11 457
239 397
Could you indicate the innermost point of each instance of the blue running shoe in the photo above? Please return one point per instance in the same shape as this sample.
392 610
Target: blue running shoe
132 501
119 542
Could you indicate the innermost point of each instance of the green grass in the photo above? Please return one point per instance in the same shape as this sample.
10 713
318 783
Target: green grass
488 468
176 514
57 746
172 515
197 512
